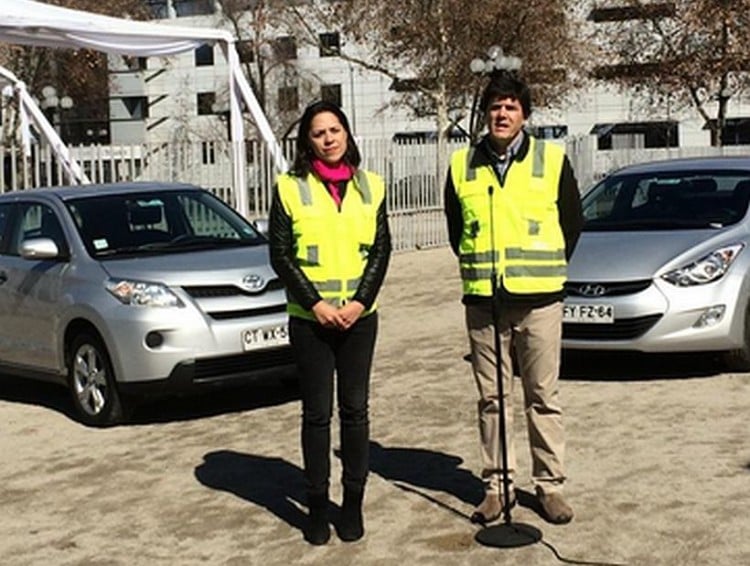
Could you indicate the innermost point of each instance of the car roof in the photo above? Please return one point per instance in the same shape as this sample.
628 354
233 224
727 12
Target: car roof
740 163
76 191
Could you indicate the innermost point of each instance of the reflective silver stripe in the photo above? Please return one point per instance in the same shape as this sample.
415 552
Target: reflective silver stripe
364 186
471 174
475 274
537 167
537 255
304 192
535 271
313 255
482 257
330 286
352 284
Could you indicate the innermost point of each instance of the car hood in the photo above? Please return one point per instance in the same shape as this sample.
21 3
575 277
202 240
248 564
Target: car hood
623 256
214 267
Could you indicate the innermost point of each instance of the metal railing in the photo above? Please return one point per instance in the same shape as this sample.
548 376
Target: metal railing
411 171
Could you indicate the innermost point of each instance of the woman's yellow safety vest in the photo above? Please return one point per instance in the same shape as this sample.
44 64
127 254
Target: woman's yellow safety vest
331 245
522 215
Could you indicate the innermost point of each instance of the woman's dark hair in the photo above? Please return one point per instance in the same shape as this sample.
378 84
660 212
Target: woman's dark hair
506 85
304 153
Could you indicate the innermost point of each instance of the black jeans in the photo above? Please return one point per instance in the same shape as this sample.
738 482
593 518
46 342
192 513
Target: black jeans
319 352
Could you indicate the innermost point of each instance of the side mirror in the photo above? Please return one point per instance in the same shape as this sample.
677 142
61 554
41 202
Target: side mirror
39 248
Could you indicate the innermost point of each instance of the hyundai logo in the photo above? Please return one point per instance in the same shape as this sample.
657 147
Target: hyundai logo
592 290
253 282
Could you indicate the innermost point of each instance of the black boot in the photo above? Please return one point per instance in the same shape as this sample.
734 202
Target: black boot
317 531
351 526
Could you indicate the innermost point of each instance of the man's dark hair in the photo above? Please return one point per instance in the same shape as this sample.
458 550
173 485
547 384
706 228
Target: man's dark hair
305 153
506 85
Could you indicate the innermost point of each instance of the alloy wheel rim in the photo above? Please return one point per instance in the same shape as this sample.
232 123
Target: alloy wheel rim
89 380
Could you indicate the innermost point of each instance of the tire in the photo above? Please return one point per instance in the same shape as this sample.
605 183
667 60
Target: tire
739 359
92 384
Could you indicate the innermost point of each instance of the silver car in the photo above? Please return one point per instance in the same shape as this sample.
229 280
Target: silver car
136 289
663 263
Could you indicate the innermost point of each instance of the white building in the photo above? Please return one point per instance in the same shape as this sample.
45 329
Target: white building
163 100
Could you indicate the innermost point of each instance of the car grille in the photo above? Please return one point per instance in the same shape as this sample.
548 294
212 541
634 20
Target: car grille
203 292
622 329
207 369
605 288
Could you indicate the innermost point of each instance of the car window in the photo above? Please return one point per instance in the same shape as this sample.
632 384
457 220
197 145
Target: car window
37 221
668 200
158 222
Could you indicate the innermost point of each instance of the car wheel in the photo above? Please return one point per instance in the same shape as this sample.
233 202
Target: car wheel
92 382
739 359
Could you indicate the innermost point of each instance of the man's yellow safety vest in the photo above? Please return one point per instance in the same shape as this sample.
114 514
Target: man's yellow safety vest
522 215
331 245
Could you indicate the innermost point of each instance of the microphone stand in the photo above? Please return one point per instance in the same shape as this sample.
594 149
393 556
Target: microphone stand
506 534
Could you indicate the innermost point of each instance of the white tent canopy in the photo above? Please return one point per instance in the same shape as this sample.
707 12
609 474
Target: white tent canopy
33 23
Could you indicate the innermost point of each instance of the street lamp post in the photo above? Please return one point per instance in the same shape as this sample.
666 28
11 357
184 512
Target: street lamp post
55 107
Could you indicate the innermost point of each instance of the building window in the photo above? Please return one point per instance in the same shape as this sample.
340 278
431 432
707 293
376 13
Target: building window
549 132
329 44
246 51
736 131
193 7
636 135
137 107
331 93
206 103
288 99
135 63
204 56
285 48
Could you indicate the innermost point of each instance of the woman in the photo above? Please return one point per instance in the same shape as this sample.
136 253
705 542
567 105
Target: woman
330 245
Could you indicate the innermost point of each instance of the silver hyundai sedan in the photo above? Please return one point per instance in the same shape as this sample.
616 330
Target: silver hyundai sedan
663 263
126 290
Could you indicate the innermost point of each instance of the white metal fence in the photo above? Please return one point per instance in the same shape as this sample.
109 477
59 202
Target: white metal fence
413 176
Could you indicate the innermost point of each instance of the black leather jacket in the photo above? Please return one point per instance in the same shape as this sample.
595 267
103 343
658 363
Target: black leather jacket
285 265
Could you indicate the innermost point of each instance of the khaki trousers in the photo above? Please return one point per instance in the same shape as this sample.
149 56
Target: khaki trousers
536 334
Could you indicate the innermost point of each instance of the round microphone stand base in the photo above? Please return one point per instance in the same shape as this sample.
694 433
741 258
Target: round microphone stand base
508 535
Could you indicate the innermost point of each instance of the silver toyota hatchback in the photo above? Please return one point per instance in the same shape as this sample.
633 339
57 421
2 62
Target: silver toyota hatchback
663 263
140 289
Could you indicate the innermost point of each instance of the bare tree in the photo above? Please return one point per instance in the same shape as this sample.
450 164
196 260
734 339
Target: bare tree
678 54
426 47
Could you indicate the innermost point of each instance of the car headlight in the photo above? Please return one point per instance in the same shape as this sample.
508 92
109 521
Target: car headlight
707 269
142 293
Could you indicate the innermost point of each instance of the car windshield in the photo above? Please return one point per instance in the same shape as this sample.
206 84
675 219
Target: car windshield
159 222
667 201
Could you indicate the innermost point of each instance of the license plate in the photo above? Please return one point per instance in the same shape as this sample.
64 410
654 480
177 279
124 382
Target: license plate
265 337
596 314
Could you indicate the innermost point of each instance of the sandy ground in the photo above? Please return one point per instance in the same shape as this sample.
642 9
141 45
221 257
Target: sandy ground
658 459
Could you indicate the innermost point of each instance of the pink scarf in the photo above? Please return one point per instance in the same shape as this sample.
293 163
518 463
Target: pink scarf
332 175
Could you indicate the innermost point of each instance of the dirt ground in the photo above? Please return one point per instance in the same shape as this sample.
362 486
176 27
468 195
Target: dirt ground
658 459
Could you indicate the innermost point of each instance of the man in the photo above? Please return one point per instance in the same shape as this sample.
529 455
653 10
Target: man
513 208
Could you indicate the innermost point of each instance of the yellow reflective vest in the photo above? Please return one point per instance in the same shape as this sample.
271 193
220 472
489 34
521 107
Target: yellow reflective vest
522 215
331 245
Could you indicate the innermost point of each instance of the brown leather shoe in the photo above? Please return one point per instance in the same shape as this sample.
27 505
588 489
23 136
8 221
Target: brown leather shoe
555 507
491 508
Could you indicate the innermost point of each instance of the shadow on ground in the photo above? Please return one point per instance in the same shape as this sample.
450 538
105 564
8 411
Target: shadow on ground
212 403
236 399
32 392
426 469
632 366
271 483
